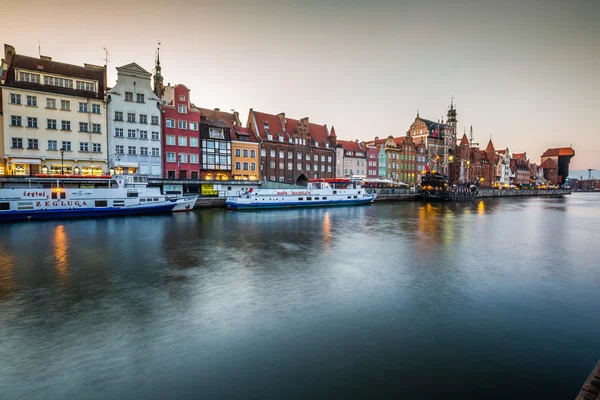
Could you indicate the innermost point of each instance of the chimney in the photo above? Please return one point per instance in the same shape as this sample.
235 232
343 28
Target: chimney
376 137
281 118
45 58
216 109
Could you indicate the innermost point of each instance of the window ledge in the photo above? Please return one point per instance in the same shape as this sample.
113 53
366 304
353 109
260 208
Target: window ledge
16 126
33 127
66 130
27 105
50 108
64 109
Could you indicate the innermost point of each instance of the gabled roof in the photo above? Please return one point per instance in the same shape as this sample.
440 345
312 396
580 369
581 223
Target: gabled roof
561 151
520 156
236 132
230 118
548 164
135 69
349 145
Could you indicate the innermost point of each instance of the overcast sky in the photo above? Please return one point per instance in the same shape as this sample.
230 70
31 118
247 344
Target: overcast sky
526 75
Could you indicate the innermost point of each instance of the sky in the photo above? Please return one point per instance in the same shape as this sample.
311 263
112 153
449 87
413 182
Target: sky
525 73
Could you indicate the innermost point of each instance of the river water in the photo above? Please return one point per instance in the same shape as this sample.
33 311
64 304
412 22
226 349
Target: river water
493 299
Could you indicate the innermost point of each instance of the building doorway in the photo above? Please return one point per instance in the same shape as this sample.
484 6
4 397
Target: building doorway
302 180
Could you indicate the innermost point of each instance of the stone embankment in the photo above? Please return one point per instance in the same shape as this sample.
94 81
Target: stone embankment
520 193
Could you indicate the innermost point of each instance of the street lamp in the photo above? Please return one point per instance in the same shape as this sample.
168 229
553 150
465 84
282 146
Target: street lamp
62 160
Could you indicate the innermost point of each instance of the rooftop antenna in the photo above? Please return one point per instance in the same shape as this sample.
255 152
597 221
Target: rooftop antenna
106 54
39 49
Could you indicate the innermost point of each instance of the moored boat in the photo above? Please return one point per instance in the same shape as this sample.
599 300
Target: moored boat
436 187
121 195
318 193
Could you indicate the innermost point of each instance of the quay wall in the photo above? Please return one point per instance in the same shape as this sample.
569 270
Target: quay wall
521 193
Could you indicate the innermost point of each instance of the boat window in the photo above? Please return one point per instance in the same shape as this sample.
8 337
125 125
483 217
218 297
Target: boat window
356 197
316 198
155 199
25 205
101 203
144 200
359 192
63 195
132 194
324 198
335 192
309 198
300 198
4 206
349 197
54 195
119 203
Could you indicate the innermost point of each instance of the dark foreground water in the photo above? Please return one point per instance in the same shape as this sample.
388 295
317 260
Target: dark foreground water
494 299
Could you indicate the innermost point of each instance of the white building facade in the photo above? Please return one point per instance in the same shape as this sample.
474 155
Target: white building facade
134 124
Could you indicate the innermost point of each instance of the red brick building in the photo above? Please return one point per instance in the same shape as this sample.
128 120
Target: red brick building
181 134
372 162
561 157
293 151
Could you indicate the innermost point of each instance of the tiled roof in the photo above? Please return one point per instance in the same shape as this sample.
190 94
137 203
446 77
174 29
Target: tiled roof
464 141
548 164
332 133
217 115
273 126
399 140
349 145
520 156
44 65
561 151
212 122
501 151
490 147
236 132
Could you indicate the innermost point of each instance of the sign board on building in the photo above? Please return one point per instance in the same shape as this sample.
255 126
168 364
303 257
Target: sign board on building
209 190
173 190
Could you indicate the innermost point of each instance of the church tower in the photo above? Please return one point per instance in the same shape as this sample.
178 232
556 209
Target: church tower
159 88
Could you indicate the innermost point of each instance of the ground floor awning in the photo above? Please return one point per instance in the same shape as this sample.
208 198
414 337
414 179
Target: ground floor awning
36 161
124 164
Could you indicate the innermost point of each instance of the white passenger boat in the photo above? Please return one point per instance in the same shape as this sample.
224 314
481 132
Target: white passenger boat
70 197
318 193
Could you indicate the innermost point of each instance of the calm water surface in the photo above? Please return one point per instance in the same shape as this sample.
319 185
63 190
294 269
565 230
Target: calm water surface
494 299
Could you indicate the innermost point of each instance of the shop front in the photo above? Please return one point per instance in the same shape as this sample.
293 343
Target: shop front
22 167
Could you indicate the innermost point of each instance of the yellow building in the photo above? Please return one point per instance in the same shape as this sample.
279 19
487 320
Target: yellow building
245 154
53 117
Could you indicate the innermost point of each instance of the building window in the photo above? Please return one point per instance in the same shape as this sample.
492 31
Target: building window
170 157
32 122
118 116
253 154
170 123
171 140
96 128
32 101
193 142
97 147
65 125
181 97
87 86
66 145
143 119
263 152
194 158
130 117
27 77
96 108
322 168
65 105
50 103
119 149
131 150
154 120
272 165
52 145
83 147
316 158
299 166
193 126
182 140
50 124
143 151
183 157
60 82
281 154
155 135
83 127
272 153
155 151
17 143
181 109
83 107
281 165
238 165
15 99
182 124
140 98
32 144
131 133
143 134
252 166
128 96
15 120
118 132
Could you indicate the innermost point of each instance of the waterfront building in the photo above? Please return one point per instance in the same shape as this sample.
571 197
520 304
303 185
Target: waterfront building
216 150
293 151
181 133
351 159
54 116
421 164
372 162
561 157
407 164
134 124
245 154
381 161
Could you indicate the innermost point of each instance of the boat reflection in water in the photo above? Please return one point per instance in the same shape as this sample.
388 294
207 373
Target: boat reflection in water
436 187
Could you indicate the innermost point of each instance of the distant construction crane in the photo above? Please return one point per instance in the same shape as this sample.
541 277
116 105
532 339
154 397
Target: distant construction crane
590 172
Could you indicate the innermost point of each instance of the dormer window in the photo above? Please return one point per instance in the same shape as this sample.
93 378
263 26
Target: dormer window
269 136
181 97
281 139
181 109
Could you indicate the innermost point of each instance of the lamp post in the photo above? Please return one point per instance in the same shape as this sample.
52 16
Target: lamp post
62 160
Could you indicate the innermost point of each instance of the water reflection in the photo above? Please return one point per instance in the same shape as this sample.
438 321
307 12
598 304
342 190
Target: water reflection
61 254
326 231
480 207
7 279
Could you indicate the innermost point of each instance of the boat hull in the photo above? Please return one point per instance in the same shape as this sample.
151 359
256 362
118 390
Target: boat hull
183 204
34 215
233 205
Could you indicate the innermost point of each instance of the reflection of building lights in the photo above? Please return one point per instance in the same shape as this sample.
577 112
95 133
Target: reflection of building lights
61 248
481 207
326 230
